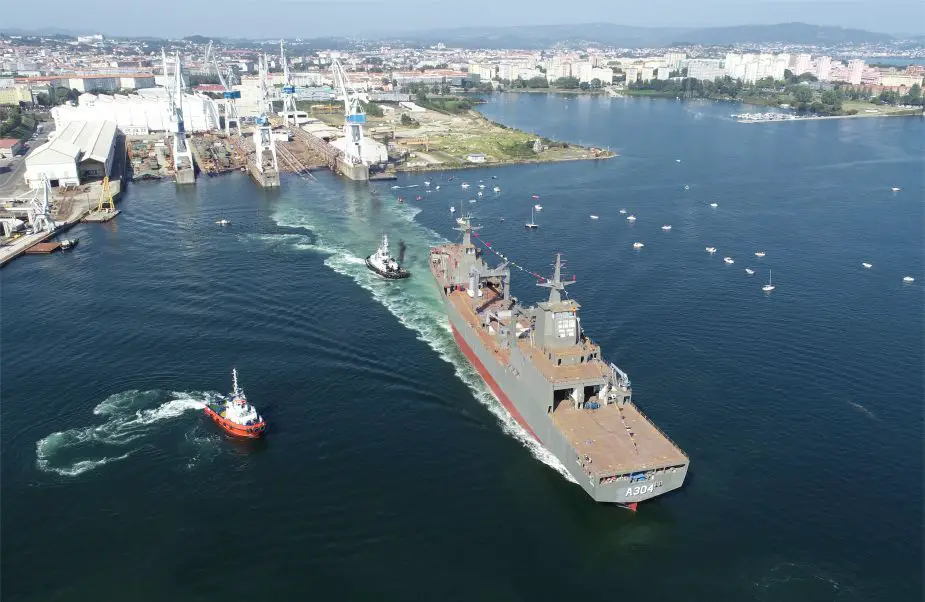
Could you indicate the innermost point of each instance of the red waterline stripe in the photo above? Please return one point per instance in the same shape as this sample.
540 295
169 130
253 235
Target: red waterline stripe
486 376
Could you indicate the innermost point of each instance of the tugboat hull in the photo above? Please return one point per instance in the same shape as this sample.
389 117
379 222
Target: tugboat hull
251 431
394 275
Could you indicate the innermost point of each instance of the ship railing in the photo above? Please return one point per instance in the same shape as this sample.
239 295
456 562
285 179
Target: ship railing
660 431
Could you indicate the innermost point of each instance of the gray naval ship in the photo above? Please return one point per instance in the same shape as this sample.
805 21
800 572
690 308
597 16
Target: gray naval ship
552 379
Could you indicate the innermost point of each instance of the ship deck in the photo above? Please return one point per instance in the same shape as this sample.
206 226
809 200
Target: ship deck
603 436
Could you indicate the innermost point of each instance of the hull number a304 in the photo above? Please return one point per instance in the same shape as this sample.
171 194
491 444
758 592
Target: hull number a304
640 489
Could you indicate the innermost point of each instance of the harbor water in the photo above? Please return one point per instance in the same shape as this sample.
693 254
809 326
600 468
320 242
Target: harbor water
389 472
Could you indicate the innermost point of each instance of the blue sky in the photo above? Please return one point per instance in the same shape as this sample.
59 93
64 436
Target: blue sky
310 18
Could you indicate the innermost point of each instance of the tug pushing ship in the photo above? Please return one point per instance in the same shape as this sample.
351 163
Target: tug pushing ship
384 264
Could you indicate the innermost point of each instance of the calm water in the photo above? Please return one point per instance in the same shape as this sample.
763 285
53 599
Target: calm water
389 473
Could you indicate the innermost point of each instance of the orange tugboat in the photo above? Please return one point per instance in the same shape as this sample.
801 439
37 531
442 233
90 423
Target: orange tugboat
235 415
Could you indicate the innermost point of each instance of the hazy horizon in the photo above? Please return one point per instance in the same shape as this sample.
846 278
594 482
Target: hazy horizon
364 18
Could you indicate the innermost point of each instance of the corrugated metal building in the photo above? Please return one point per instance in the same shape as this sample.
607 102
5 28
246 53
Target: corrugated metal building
82 151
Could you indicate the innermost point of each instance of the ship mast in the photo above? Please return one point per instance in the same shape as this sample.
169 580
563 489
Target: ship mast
466 228
556 286
236 391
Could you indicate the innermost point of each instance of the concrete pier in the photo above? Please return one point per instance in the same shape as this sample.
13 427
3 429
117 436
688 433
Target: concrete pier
186 175
266 178
351 171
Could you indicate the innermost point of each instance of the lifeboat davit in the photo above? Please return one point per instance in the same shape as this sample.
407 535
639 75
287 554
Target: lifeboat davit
235 415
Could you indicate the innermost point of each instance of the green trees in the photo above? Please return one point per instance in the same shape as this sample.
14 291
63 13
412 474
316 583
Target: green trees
373 109
584 86
567 83
596 83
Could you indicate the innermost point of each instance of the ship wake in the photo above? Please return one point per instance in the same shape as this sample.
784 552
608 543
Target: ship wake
345 236
130 419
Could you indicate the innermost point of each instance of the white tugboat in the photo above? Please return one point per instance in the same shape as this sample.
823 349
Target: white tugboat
384 264
235 415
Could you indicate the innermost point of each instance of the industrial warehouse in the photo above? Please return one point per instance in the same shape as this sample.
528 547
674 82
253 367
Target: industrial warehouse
82 151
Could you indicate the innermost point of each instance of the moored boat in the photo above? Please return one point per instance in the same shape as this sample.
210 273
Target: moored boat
235 415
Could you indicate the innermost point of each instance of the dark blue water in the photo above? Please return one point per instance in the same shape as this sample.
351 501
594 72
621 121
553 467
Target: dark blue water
389 472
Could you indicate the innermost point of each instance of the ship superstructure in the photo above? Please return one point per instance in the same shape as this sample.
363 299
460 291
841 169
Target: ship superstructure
552 378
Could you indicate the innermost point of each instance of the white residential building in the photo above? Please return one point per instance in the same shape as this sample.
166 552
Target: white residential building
823 68
673 60
706 69
855 71
800 64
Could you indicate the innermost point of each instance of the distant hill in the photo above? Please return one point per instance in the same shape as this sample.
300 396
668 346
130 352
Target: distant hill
543 36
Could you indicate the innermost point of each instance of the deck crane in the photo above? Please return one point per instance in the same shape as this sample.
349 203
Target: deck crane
264 144
181 149
229 98
289 104
354 117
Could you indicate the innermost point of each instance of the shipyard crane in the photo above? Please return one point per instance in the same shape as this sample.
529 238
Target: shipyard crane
354 117
229 98
264 144
289 104
39 217
181 149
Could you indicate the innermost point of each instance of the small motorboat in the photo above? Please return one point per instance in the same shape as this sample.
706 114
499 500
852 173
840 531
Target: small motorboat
686 187
480 193
631 218
473 200
714 205
622 211
69 243
497 189
759 253
401 199
452 209
481 186
867 265
437 187
729 260
418 198
384 264
895 188
769 286
666 227
908 279
594 217
638 245
235 415
677 160
396 187
749 271
426 182
710 250
223 222
538 207
464 185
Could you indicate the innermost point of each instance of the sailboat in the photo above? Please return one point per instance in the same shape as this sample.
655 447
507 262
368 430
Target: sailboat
768 287
531 224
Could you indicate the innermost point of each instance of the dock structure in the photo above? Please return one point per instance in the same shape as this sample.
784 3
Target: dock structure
333 157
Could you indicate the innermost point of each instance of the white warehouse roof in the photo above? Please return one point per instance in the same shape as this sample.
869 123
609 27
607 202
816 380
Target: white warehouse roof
79 140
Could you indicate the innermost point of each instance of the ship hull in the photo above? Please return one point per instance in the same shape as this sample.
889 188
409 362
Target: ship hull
521 394
253 431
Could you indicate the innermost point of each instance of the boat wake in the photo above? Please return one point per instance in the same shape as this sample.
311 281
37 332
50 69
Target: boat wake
128 419
347 238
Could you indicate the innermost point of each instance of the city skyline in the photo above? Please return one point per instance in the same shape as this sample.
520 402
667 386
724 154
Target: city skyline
364 18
